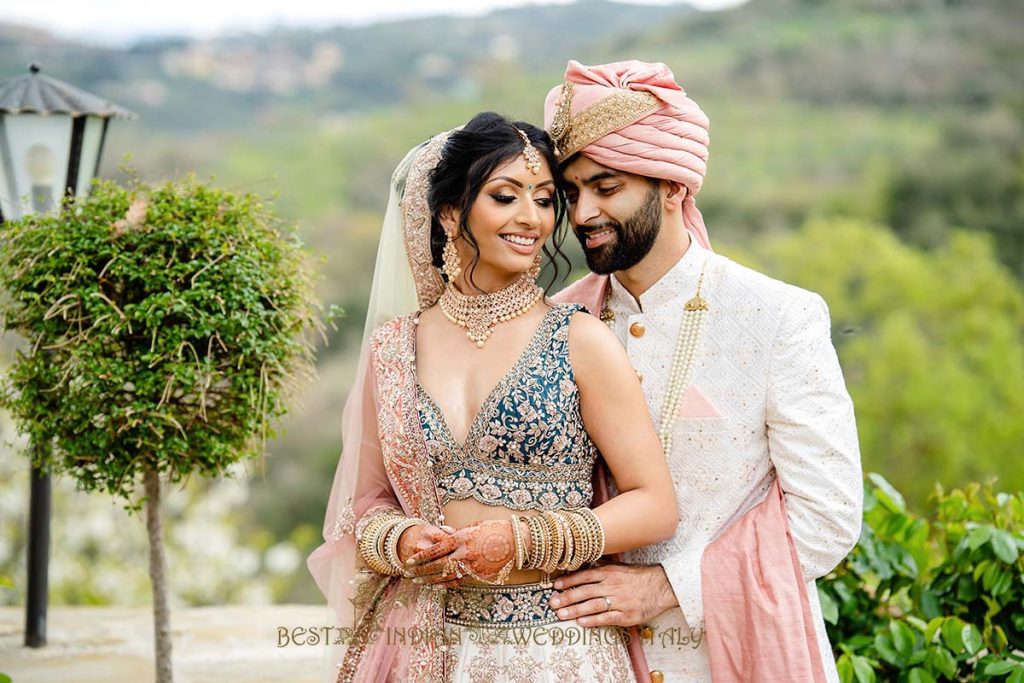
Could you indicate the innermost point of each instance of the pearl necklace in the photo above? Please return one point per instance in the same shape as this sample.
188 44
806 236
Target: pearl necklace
683 357
481 312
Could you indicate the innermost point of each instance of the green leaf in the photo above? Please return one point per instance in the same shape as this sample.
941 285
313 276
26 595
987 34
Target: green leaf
988 579
919 675
978 536
844 665
885 650
952 634
829 608
972 639
998 638
1017 676
870 501
1004 546
930 607
939 659
902 638
999 668
887 494
4 678
863 670
1001 585
933 627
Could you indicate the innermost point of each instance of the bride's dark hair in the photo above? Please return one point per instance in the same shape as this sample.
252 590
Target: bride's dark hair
470 156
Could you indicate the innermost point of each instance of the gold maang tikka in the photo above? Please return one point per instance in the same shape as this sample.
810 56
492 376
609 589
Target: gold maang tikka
530 153
560 124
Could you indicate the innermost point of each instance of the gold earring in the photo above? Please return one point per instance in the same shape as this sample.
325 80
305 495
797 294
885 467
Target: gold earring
535 268
450 256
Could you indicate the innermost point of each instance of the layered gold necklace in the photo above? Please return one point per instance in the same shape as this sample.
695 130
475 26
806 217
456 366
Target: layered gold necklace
479 313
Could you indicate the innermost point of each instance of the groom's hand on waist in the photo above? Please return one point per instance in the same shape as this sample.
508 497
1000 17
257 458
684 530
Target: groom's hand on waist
613 595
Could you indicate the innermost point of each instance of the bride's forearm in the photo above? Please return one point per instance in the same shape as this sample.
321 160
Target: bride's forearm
636 518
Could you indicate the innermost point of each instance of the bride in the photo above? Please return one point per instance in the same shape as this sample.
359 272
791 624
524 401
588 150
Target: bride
472 435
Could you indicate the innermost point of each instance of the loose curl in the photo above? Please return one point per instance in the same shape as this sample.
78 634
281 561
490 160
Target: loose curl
470 156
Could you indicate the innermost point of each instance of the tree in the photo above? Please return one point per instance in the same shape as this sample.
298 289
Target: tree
165 328
931 343
983 189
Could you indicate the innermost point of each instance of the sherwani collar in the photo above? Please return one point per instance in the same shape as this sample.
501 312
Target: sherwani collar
680 279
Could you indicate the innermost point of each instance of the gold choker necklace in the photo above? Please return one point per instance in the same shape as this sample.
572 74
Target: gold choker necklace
480 313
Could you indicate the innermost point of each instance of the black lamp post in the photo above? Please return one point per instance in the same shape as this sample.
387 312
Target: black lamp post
51 138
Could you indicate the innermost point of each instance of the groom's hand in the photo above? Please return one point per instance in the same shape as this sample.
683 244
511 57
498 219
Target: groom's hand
636 594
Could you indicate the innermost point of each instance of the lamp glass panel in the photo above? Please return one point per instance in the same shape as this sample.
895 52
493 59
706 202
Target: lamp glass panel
91 141
7 189
39 147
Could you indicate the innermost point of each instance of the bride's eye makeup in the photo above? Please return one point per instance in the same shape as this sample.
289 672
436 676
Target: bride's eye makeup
503 198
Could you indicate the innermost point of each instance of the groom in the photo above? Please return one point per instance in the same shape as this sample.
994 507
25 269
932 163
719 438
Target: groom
742 379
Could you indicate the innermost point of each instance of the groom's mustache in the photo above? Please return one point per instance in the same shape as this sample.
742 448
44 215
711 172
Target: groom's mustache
583 230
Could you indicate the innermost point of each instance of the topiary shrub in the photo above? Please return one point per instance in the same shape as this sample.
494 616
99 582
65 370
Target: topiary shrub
164 328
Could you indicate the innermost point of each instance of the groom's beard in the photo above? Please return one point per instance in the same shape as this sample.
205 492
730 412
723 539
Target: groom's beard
633 239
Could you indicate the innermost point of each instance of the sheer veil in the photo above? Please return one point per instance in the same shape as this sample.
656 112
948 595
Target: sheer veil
393 292
402 283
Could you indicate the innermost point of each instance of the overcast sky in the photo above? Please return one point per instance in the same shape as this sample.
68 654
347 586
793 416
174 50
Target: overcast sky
120 21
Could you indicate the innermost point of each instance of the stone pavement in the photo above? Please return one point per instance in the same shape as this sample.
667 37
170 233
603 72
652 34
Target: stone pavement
115 645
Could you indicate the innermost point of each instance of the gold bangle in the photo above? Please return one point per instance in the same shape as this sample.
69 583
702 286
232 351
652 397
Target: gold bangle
517 538
394 536
557 542
371 543
596 532
588 538
570 546
579 540
538 547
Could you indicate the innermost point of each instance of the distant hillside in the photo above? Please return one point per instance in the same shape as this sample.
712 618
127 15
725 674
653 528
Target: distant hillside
816 106
232 81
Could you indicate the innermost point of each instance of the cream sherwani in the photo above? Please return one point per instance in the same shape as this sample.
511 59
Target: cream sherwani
766 399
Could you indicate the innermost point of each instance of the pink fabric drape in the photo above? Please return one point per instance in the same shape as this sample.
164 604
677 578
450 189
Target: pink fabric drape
757 614
383 467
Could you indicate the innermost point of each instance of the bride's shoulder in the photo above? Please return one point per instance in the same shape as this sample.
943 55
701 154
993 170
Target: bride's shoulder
590 340
394 328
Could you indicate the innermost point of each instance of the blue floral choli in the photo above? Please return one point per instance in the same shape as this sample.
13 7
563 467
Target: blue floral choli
527 448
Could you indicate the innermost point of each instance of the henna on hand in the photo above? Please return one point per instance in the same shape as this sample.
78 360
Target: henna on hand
490 546
423 543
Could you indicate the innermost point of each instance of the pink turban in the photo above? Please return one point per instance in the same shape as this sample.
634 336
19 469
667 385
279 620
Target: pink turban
632 116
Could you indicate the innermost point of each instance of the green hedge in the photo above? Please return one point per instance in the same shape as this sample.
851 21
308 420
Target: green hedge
931 599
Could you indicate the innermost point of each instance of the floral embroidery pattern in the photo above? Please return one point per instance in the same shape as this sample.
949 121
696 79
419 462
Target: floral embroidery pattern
523 605
528 448
344 523
405 460
518 656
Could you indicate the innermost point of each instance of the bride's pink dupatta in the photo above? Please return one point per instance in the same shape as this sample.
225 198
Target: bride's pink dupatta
393 629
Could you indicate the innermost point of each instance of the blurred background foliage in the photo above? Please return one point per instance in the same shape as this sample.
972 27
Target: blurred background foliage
870 150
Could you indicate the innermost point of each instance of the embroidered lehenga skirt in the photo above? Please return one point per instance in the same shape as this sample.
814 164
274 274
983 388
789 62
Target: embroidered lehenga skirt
509 634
